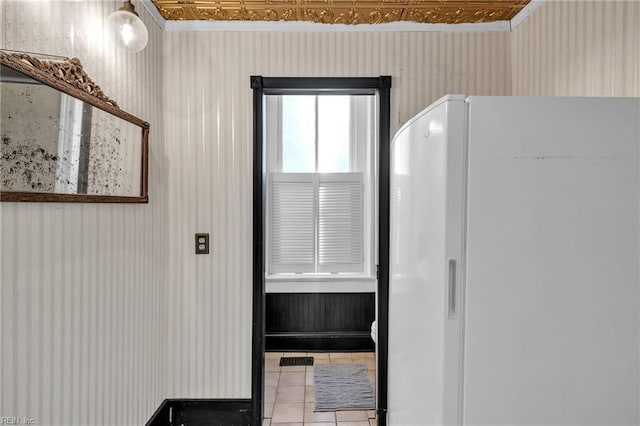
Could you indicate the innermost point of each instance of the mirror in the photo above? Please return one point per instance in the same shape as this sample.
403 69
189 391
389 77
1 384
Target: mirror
62 139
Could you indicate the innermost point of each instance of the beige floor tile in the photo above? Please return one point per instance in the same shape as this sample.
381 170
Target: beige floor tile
271 378
363 355
319 355
287 412
294 368
290 394
266 422
294 399
308 378
363 360
294 354
272 355
270 394
292 378
271 365
311 416
340 355
352 416
309 394
342 361
288 424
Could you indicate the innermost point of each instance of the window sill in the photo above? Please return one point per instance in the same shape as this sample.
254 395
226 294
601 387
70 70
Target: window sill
320 284
318 277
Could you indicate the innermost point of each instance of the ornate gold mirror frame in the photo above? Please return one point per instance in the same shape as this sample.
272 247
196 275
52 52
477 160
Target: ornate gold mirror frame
116 126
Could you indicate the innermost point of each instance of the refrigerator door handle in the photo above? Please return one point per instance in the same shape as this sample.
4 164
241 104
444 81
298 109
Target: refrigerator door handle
452 289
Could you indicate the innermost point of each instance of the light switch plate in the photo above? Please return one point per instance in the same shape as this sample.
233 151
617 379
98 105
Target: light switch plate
202 243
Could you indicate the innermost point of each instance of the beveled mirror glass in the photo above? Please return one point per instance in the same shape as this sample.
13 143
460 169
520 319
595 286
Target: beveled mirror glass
63 139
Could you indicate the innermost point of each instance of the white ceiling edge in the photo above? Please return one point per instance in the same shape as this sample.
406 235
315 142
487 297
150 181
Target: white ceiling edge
298 26
155 14
525 12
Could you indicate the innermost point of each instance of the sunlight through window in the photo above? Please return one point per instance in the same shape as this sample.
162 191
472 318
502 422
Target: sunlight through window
303 139
298 134
333 134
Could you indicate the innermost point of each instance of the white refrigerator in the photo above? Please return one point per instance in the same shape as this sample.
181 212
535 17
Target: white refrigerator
514 255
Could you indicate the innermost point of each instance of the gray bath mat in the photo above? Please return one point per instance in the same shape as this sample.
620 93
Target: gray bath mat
343 387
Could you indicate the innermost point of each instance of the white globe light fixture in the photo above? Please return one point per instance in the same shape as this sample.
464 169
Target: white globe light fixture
130 32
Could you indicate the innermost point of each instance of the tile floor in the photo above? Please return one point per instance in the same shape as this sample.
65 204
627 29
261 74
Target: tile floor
289 393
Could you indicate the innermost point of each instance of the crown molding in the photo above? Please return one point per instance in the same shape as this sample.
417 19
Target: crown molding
297 26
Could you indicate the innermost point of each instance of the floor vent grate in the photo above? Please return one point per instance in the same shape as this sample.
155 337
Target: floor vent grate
286 361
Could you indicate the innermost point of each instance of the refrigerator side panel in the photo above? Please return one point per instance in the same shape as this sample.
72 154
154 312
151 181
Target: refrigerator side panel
552 324
456 130
418 370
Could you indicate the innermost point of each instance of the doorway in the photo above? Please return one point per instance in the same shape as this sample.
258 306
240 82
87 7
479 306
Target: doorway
263 88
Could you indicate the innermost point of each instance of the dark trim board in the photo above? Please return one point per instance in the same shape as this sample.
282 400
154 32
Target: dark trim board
319 342
308 322
257 328
289 85
381 86
202 412
384 171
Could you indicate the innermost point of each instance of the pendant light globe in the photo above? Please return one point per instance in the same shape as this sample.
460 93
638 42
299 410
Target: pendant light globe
129 30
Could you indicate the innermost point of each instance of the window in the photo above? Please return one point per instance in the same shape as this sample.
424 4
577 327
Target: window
320 184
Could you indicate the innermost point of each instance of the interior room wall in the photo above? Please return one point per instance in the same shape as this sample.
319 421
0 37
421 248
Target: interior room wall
82 285
578 48
208 130
96 300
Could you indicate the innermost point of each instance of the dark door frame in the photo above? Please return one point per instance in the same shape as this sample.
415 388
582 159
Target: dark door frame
380 86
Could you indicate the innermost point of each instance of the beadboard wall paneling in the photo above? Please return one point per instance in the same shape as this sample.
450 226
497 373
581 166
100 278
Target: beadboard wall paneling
578 48
82 330
319 312
208 131
306 322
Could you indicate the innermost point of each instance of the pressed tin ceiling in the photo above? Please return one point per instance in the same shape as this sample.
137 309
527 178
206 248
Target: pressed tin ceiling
342 11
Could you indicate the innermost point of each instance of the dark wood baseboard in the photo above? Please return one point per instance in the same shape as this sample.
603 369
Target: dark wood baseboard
163 415
201 412
320 342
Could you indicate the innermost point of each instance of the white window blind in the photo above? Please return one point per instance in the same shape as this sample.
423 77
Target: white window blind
292 228
316 222
340 222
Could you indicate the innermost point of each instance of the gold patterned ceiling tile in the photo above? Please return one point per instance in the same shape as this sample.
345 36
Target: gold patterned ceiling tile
342 11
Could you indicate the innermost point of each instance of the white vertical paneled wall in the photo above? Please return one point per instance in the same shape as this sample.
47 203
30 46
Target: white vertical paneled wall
82 331
98 301
578 48
208 131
